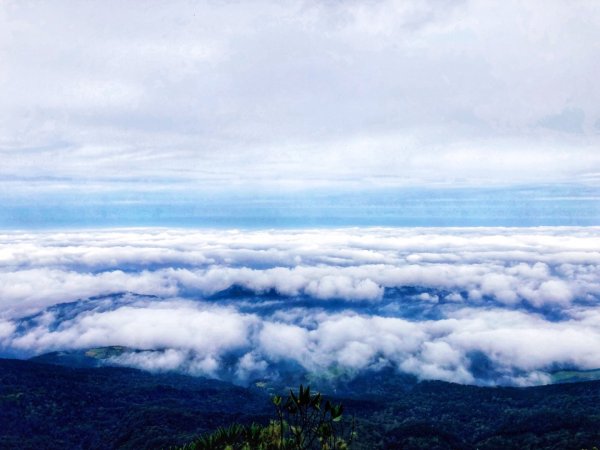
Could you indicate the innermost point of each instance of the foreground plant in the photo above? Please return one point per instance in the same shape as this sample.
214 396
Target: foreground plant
304 421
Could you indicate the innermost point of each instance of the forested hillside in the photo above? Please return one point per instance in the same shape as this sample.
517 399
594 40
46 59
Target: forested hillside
49 406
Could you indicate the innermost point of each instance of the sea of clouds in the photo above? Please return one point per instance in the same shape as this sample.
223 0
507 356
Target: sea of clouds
469 305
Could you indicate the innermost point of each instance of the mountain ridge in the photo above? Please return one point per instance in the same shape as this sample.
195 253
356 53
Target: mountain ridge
52 406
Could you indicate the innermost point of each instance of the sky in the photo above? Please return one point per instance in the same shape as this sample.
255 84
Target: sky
299 113
233 189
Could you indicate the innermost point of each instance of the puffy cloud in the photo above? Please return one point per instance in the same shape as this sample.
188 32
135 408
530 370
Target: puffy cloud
199 338
170 324
26 291
540 267
7 329
170 360
466 305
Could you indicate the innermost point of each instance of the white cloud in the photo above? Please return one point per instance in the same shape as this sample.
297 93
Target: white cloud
545 267
298 94
196 334
7 329
423 300
195 338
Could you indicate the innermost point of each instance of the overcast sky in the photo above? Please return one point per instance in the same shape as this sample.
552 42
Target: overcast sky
113 96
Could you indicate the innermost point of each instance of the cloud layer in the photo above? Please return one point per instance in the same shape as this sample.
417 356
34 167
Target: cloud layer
469 305
222 95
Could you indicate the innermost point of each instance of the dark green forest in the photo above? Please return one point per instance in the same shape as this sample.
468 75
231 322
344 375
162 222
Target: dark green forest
45 406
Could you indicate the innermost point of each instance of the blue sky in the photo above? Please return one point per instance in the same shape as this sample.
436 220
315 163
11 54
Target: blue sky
515 206
299 113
